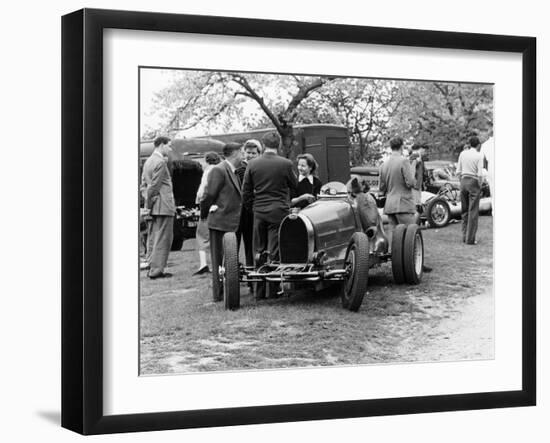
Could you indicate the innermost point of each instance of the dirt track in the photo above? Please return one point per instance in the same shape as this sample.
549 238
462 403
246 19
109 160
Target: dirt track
448 317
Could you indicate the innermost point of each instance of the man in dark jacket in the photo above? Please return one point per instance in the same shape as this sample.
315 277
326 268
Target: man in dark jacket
221 206
268 181
252 148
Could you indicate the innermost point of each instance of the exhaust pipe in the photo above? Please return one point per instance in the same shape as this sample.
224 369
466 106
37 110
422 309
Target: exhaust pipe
377 240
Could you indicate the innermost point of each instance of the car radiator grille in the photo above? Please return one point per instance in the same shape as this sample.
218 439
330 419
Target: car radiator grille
293 241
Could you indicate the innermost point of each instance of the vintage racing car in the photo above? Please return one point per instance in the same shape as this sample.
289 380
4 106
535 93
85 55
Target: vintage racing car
323 245
441 200
439 209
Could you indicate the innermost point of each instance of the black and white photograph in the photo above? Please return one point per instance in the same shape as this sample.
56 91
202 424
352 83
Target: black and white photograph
289 220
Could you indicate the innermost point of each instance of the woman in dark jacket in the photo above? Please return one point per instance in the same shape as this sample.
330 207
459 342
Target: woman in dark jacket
309 186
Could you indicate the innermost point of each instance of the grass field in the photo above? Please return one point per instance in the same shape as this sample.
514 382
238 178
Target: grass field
448 317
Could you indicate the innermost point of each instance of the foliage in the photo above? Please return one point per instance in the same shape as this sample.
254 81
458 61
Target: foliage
441 115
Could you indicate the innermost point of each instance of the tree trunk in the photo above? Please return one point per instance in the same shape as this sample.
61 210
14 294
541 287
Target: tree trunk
287 138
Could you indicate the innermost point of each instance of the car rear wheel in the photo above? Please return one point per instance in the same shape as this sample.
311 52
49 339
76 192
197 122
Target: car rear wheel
357 265
398 238
231 285
438 213
413 255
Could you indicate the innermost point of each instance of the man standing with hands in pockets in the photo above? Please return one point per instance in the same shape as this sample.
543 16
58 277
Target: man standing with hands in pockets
470 173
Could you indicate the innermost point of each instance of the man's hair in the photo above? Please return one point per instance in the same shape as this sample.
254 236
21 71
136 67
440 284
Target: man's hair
230 148
253 144
416 146
396 143
212 158
271 140
161 141
474 141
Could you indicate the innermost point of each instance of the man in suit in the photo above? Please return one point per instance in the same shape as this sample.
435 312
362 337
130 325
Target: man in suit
221 206
252 149
397 182
156 186
268 181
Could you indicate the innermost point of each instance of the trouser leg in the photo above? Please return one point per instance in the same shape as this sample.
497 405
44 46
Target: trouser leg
405 218
273 240
260 245
473 212
248 227
163 234
149 244
464 206
216 257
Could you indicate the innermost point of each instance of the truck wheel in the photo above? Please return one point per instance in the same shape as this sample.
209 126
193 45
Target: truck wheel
398 238
438 213
231 285
357 265
413 255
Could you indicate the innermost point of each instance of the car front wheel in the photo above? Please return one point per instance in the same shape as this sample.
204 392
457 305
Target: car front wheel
438 213
357 267
231 284
413 255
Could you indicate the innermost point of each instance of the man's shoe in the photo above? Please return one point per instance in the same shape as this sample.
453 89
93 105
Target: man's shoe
426 268
161 275
202 270
472 243
144 266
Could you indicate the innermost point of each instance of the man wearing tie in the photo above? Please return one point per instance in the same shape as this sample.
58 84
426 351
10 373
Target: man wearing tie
221 206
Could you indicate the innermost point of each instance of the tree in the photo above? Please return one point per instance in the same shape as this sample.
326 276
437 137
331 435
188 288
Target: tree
364 106
443 115
200 98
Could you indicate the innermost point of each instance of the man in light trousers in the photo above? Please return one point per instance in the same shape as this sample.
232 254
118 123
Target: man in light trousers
156 185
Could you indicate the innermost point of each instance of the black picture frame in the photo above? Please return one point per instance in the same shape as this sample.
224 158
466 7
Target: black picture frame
82 219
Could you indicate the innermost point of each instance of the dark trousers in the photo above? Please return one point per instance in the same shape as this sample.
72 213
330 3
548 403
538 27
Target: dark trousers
216 257
245 230
266 238
470 193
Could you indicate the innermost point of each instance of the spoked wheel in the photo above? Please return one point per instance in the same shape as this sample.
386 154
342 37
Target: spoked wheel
230 278
413 255
398 237
357 265
438 212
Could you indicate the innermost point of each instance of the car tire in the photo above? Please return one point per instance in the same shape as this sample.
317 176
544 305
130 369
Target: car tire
398 238
413 255
357 264
231 284
438 213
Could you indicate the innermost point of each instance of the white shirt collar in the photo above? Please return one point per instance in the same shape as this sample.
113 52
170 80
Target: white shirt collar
158 153
309 177
230 165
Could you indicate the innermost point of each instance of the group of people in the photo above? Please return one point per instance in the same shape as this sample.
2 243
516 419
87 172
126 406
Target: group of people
402 179
252 189
248 192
